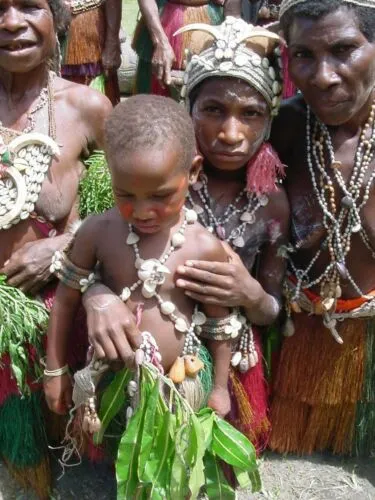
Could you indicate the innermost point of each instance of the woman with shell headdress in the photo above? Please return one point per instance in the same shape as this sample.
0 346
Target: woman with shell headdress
39 175
232 90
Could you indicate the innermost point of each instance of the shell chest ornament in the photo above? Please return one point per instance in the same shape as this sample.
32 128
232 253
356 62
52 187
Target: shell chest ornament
24 164
151 276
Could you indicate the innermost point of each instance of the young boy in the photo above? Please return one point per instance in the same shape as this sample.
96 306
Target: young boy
138 245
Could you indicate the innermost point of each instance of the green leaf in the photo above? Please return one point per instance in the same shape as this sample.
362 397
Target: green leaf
206 418
157 469
242 477
217 486
232 446
127 458
148 429
196 452
256 482
112 401
179 482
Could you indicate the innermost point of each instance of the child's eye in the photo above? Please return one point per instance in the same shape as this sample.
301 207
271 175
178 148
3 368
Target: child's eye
211 109
162 195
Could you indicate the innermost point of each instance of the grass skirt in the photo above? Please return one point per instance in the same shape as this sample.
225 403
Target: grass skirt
172 16
325 389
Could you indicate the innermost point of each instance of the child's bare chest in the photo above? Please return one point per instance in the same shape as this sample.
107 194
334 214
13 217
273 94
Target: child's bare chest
119 272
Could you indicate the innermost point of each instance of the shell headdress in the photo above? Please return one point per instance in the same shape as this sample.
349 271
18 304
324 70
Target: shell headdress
239 50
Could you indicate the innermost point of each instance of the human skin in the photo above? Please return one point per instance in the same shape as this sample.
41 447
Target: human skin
330 60
150 188
111 56
163 56
230 119
236 107
79 115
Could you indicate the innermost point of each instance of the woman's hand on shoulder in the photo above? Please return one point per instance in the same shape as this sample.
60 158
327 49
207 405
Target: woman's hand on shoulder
225 282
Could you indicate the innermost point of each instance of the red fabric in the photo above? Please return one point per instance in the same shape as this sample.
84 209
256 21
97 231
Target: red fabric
289 89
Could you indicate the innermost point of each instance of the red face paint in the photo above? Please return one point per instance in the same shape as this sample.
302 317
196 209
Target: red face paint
126 210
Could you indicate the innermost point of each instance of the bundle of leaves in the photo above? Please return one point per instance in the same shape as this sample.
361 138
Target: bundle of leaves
167 450
95 189
23 323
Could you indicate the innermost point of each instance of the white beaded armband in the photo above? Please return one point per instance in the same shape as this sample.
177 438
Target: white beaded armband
226 328
56 373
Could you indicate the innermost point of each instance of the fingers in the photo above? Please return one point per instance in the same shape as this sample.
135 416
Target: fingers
21 281
207 299
167 73
205 278
220 268
10 267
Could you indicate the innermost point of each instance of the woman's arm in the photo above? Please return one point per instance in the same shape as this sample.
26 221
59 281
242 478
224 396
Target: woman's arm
111 56
163 56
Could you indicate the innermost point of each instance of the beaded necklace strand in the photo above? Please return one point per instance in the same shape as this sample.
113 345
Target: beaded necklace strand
340 223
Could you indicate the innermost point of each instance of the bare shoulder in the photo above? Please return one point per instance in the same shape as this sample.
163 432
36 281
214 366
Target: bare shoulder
279 203
208 246
288 125
89 102
94 227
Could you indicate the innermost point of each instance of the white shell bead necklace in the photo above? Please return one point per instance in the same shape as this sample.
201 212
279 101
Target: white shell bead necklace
340 223
151 274
217 224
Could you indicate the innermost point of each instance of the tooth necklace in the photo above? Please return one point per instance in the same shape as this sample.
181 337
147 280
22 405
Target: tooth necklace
151 274
217 224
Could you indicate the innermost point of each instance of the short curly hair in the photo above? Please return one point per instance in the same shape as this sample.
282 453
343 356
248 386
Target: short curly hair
315 9
144 122
61 16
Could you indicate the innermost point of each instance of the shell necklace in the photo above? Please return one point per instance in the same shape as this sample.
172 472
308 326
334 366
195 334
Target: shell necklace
342 222
24 163
246 214
151 275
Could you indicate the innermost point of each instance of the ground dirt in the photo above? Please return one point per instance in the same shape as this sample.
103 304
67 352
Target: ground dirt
284 478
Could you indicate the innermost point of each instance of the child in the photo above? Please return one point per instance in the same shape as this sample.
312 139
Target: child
138 245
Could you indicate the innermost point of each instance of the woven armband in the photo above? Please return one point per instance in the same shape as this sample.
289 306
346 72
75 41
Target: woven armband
70 274
226 328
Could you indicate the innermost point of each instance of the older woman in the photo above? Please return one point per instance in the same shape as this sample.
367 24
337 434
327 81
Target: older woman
48 125
324 393
233 90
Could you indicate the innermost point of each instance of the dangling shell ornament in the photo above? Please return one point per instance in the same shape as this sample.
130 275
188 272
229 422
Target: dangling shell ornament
152 272
24 163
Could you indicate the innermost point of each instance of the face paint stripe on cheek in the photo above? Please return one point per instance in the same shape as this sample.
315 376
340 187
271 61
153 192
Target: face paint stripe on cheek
126 210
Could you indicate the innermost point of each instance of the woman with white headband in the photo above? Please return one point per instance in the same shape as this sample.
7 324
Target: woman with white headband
232 88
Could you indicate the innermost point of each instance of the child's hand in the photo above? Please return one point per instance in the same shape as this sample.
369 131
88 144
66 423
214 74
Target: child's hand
58 391
219 401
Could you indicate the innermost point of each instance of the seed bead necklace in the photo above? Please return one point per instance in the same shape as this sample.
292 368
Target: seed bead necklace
246 214
340 223
45 97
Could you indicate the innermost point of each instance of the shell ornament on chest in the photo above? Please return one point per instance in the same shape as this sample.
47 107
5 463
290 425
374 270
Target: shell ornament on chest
24 164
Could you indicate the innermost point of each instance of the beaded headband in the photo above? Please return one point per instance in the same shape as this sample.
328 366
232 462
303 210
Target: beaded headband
230 55
288 4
